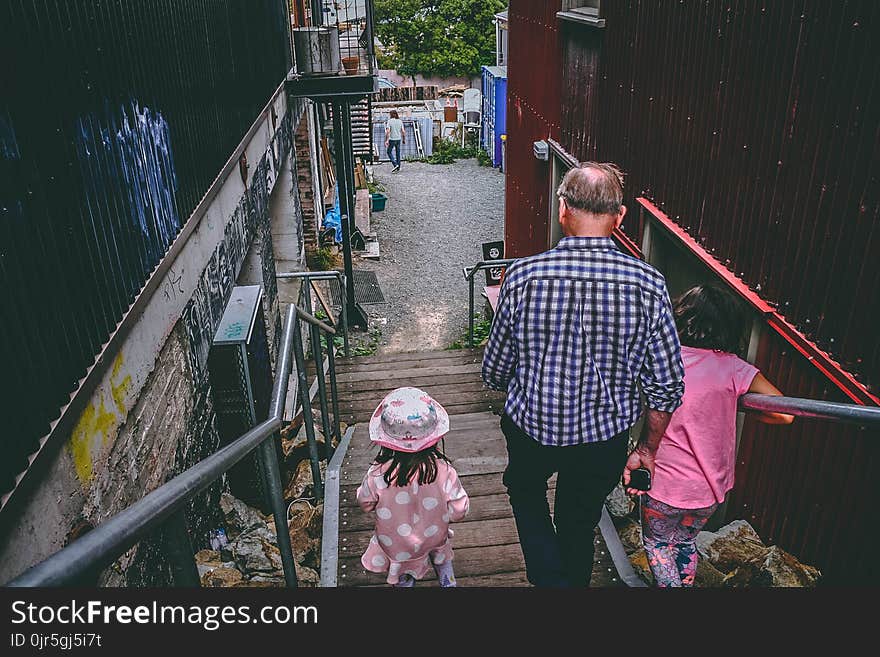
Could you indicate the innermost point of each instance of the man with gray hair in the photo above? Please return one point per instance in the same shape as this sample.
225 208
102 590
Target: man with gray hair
578 328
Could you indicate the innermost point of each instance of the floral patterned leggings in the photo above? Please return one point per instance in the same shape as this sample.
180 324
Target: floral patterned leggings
669 535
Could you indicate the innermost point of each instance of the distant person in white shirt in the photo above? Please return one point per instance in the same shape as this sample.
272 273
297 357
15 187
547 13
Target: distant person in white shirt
394 137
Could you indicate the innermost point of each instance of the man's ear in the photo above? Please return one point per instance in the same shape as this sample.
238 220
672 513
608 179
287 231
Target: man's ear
620 216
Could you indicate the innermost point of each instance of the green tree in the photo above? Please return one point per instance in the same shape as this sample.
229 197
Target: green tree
436 37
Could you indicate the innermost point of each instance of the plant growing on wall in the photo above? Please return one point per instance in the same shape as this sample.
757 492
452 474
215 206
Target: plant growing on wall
436 37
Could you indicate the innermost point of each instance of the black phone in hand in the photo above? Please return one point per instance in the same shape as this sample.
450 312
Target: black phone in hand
640 479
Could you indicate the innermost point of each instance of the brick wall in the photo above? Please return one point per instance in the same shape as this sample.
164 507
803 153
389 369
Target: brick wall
303 157
170 429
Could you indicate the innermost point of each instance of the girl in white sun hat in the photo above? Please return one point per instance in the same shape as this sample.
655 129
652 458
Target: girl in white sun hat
413 490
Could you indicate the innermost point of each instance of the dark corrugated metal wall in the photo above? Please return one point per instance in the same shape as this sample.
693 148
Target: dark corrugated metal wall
532 114
114 120
755 126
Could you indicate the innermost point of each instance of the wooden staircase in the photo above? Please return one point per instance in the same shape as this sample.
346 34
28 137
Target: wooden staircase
452 377
486 545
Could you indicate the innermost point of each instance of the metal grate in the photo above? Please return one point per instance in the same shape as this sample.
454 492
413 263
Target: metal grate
366 288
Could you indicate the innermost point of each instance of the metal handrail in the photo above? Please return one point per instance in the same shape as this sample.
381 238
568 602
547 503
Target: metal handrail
812 408
469 277
104 544
165 506
327 275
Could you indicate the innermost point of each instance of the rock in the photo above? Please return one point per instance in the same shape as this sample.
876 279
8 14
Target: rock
250 584
289 433
208 557
301 482
271 580
731 546
255 551
630 533
777 568
239 516
307 576
207 560
299 515
296 447
639 561
222 577
619 504
707 576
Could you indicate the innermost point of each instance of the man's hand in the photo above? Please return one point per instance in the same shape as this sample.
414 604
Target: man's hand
640 457
386 143
643 455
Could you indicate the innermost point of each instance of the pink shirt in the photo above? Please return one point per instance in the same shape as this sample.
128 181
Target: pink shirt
694 466
412 522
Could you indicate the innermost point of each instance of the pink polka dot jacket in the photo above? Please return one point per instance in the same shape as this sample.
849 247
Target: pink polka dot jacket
412 522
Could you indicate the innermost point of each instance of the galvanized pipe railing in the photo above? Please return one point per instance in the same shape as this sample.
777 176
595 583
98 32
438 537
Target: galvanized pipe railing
310 276
813 408
469 277
163 509
103 545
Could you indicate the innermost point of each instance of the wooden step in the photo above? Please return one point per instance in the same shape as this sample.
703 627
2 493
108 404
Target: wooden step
343 366
438 392
501 580
464 370
480 561
424 382
412 355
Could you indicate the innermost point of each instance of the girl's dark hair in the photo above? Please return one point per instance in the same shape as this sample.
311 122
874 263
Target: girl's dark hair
393 114
406 465
710 317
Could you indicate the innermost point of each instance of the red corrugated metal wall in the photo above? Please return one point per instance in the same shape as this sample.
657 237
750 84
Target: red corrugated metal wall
809 487
756 126
532 113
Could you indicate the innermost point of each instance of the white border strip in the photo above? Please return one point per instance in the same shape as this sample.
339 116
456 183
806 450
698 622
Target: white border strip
330 534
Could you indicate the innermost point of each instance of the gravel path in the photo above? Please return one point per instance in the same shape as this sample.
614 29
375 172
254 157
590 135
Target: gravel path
434 223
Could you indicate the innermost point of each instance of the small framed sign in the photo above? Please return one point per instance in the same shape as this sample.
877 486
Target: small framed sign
493 251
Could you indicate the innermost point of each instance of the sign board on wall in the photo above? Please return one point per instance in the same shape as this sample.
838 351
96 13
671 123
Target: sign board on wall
493 251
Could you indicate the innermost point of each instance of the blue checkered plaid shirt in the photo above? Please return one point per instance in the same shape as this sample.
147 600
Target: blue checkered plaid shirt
576 329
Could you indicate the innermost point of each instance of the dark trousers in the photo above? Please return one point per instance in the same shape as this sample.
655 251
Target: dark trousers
560 555
394 145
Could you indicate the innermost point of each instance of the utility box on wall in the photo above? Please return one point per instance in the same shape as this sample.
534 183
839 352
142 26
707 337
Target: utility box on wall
241 385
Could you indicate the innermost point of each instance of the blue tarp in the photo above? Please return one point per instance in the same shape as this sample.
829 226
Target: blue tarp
333 219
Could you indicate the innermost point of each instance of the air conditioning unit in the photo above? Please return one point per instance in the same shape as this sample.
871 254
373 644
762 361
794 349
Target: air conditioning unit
240 373
542 150
316 50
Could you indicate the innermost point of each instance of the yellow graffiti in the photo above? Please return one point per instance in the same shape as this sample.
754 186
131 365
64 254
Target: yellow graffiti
118 390
93 423
92 431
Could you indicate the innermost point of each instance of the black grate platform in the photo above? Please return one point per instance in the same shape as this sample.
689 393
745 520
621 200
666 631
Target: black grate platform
366 288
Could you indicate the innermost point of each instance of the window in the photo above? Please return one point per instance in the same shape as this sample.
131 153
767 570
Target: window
582 11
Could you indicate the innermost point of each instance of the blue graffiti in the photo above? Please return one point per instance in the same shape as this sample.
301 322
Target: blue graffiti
127 154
